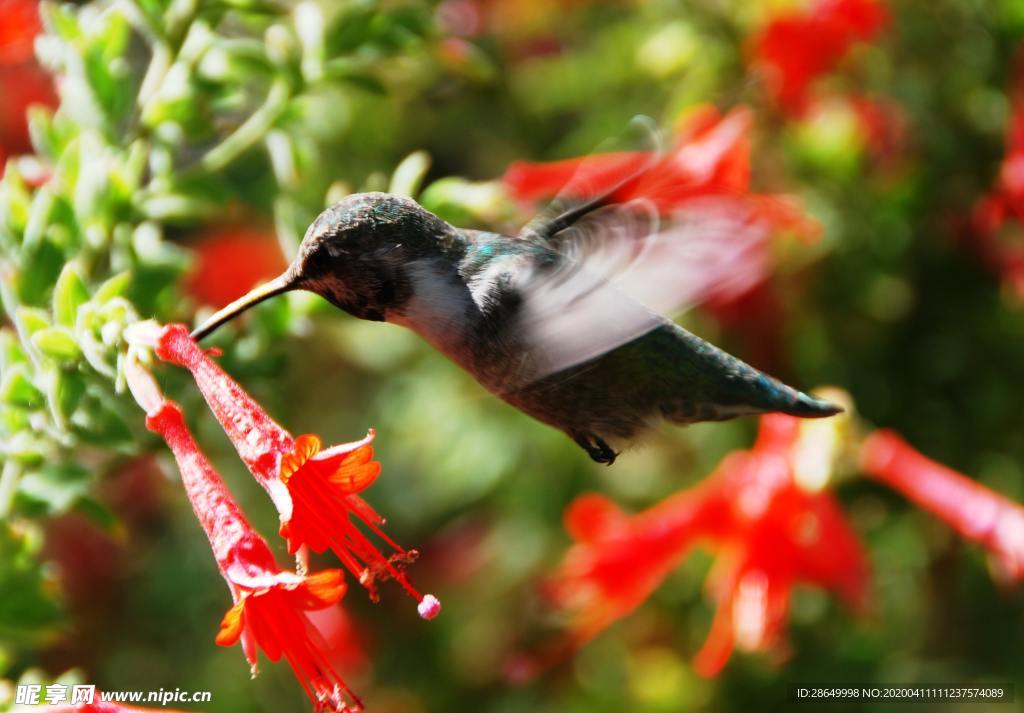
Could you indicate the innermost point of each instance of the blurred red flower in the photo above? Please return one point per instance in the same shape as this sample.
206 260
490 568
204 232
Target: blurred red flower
710 158
230 260
799 46
997 219
977 513
995 232
883 125
522 28
768 534
758 316
271 606
707 170
19 25
88 559
315 490
22 82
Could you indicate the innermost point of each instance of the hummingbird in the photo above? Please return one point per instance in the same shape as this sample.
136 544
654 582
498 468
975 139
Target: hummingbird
562 321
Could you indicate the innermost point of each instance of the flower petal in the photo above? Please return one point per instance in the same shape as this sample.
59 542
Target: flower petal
593 517
354 472
322 589
306 446
232 624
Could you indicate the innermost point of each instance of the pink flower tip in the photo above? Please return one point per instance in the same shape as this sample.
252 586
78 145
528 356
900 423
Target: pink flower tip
143 334
429 606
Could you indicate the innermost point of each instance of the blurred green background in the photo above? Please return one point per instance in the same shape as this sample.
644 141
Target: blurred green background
183 126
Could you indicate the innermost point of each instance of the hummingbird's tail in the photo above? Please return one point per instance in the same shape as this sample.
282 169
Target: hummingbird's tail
759 393
800 404
723 386
280 284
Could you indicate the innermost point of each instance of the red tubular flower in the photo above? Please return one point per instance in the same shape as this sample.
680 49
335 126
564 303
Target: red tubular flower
271 610
974 511
315 490
768 532
798 47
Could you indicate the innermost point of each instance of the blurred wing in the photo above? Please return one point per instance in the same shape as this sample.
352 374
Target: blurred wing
619 269
589 184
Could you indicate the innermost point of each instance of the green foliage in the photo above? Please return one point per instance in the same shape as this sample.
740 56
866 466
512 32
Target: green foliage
159 101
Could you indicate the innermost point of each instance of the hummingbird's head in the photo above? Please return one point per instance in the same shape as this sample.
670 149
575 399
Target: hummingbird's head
356 254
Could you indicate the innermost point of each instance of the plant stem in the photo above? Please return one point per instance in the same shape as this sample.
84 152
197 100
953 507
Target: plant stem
252 129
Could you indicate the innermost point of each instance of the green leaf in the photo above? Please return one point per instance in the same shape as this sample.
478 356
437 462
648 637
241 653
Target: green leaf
38 217
27 447
55 488
116 286
105 67
10 350
57 342
27 610
13 419
32 319
367 82
61 20
97 512
39 272
460 201
90 200
17 388
177 207
69 294
100 425
69 392
41 129
408 176
15 203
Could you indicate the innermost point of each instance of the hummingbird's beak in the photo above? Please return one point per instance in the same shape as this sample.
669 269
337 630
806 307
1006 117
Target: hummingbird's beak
280 284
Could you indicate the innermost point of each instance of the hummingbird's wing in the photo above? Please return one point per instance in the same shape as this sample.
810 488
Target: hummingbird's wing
592 183
612 275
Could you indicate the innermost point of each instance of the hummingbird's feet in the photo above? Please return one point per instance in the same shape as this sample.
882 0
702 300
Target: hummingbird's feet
596 448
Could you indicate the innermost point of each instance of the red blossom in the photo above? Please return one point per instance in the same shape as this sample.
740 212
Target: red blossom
799 46
314 489
88 560
974 511
230 260
708 170
767 531
19 25
995 225
883 125
22 82
271 606
711 158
